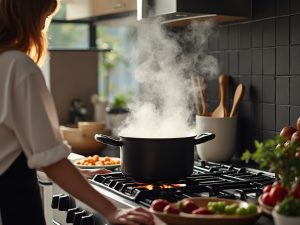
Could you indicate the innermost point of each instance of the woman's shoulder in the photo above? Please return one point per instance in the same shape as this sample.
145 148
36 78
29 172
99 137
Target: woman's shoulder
17 57
17 65
19 61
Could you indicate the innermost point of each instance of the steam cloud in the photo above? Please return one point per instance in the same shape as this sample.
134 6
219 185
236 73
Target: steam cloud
168 60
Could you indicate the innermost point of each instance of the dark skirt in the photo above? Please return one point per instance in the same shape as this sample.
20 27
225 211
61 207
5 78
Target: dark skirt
20 199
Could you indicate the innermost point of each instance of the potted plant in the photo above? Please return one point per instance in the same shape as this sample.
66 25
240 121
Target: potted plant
280 155
117 111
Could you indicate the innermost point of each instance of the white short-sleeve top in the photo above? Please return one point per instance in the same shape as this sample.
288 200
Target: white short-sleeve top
28 118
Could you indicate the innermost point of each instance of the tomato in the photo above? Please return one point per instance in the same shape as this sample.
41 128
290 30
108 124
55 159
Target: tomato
296 137
171 209
287 132
278 193
202 211
159 204
267 188
267 200
189 206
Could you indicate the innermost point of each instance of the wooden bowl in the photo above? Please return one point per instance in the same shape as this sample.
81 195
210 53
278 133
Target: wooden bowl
97 127
216 219
82 141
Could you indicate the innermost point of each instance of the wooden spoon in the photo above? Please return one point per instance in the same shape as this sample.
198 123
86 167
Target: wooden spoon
238 95
221 110
202 84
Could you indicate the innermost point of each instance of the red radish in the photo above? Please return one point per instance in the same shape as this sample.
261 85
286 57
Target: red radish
189 206
171 209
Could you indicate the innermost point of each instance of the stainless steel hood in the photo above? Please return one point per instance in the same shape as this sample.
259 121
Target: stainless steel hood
178 10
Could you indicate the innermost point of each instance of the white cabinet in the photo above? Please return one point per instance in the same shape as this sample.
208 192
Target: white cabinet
81 9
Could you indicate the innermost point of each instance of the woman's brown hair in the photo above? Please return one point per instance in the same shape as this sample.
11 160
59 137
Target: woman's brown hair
22 23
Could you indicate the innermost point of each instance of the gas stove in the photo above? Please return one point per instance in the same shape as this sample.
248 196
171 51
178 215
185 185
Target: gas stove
208 180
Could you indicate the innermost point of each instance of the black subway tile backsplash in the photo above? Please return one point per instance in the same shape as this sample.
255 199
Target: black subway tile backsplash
245 35
257 34
234 36
295 60
282 90
256 90
213 42
269 86
257 116
283 60
283 30
233 62
263 53
282 117
257 61
295 29
269 61
269 33
295 90
224 62
269 117
245 62
223 40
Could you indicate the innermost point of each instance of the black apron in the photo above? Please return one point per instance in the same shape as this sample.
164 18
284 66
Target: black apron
20 199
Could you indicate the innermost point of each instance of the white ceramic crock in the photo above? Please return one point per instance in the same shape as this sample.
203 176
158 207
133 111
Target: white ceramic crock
285 220
222 148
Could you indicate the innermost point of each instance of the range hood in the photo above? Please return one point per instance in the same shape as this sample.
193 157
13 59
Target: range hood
180 10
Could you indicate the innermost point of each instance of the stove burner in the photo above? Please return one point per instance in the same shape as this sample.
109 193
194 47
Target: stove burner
208 180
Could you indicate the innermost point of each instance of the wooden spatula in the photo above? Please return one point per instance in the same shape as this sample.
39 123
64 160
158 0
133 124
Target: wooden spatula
238 95
221 110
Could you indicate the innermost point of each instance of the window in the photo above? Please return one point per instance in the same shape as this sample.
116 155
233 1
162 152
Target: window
117 66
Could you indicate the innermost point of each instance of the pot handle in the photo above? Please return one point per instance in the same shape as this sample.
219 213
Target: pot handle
201 138
108 140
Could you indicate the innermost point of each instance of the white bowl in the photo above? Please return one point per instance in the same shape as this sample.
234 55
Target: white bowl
285 220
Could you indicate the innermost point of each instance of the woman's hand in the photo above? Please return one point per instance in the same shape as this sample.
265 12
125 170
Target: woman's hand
136 216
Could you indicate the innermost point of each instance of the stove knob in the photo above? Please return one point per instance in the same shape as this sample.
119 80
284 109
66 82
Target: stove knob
88 220
78 216
65 202
55 199
71 213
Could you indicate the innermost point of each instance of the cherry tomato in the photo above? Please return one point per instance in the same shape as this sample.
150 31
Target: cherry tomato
287 132
159 204
296 137
267 188
278 193
267 200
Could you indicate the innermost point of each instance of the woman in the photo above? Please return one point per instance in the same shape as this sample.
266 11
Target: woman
29 129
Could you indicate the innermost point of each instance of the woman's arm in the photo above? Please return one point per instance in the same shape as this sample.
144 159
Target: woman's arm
77 186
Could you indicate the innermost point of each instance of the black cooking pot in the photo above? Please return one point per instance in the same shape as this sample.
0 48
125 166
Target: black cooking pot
156 159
